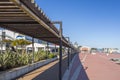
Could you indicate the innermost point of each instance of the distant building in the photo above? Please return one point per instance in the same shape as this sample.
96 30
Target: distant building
38 44
85 49
111 50
44 47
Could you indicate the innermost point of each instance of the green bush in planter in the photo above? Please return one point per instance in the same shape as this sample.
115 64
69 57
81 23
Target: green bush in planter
51 55
23 59
4 58
10 60
14 59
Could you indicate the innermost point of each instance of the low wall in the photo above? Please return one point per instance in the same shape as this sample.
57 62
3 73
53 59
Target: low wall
17 72
76 70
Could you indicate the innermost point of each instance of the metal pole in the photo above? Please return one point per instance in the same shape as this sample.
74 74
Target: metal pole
60 54
1 46
68 52
68 57
60 61
55 48
71 54
47 51
60 46
33 50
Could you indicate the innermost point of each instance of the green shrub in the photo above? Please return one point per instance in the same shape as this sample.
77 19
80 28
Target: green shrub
10 60
4 58
51 55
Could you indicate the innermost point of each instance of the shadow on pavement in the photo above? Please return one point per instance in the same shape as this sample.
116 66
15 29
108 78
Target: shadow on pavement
53 72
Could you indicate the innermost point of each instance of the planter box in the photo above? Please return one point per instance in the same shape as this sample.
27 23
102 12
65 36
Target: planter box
17 72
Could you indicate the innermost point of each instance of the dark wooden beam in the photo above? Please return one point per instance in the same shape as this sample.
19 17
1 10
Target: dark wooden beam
6 17
10 9
13 14
18 22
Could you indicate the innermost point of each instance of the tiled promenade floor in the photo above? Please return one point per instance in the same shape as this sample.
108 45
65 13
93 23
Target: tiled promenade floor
100 67
83 67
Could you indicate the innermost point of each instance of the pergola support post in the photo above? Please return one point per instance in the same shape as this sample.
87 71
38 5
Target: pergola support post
60 46
47 50
68 53
55 48
60 54
33 50
68 57
60 61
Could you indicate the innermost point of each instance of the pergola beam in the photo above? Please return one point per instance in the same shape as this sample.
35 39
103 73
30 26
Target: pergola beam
18 14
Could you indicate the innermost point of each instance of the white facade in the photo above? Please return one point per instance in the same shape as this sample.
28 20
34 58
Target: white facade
9 34
37 43
38 47
111 50
84 49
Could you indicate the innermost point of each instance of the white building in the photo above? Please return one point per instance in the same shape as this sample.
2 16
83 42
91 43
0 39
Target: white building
111 50
38 46
37 43
85 49
7 34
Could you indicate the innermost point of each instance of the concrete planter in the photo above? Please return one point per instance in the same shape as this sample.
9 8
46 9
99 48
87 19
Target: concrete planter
17 72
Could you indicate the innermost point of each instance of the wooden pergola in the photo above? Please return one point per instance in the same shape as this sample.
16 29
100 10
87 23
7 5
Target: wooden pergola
24 16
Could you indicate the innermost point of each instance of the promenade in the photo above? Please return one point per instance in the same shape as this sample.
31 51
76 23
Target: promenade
100 67
93 67
83 67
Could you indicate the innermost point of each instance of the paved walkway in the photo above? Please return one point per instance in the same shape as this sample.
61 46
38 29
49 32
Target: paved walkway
47 72
100 67
93 67
82 67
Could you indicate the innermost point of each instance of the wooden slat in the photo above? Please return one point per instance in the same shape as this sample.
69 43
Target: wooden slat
8 7
11 18
24 25
15 20
10 10
5 0
9 4
19 22
13 14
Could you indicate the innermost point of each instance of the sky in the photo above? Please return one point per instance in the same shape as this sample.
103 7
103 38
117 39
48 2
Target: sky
93 23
